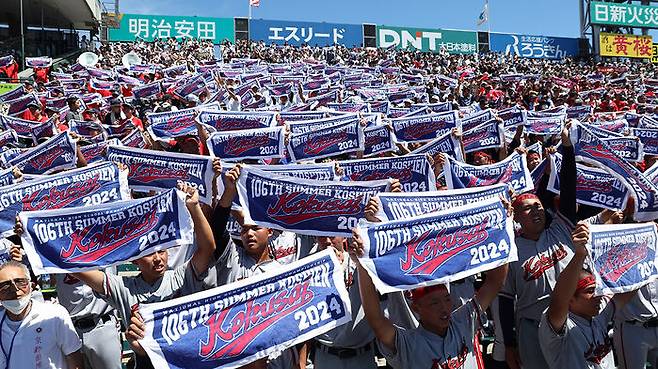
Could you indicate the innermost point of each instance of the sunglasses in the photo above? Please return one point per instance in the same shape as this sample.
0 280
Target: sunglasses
17 283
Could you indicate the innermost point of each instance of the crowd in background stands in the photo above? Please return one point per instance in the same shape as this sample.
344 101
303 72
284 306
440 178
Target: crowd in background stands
488 80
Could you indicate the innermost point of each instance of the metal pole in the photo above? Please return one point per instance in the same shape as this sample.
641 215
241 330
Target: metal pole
22 35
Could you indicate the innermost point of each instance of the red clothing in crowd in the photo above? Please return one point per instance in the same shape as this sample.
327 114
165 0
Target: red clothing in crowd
41 74
608 106
137 122
27 115
11 71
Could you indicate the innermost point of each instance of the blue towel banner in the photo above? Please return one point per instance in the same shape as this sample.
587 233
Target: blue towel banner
512 117
438 247
259 143
238 323
477 119
314 208
592 150
487 135
57 153
425 127
513 171
171 124
334 140
594 186
315 171
446 144
233 120
623 256
414 171
91 238
379 139
308 126
88 186
152 170
404 205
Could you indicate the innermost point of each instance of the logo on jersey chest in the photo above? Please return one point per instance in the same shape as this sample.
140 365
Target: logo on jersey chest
534 267
596 354
454 362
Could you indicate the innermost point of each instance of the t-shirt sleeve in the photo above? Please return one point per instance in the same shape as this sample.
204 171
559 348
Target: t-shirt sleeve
118 295
67 337
553 342
402 346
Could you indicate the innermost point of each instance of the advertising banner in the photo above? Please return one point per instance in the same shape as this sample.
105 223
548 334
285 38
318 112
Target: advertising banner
149 27
536 47
630 15
312 33
629 46
423 39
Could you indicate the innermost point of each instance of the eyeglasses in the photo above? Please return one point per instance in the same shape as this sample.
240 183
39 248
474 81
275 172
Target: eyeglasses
17 283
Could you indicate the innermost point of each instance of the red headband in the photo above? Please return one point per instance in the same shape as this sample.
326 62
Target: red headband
585 283
481 154
519 199
419 292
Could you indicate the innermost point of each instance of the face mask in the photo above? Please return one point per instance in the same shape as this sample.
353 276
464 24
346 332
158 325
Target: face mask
16 306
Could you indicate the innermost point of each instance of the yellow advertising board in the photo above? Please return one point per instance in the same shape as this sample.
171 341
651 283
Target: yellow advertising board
627 46
654 55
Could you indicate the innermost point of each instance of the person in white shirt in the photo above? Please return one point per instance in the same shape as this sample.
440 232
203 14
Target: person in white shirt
33 334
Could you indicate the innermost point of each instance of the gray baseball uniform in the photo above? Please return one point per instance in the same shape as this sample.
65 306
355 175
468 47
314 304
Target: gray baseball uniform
234 265
355 335
580 344
636 328
123 293
419 348
531 280
93 319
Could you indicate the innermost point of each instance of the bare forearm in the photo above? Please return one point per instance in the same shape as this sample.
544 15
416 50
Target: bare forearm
204 239
564 290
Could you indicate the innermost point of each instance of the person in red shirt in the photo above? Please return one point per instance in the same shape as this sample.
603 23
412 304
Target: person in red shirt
128 110
34 113
607 105
41 74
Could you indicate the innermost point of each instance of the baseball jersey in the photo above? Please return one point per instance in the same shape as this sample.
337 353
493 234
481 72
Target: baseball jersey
78 298
532 278
356 333
581 344
244 266
420 349
643 306
125 292
41 340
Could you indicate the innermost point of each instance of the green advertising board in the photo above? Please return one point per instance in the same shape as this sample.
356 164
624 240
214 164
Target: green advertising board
429 40
640 16
6 87
150 27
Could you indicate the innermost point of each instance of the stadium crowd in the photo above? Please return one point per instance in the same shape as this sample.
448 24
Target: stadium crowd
541 310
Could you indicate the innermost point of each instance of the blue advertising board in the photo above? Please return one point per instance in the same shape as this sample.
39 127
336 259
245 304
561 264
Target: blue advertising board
311 33
536 47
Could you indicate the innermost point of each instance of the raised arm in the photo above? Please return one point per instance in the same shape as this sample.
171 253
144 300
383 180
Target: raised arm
568 179
202 231
567 282
222 211
383 328
494 281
